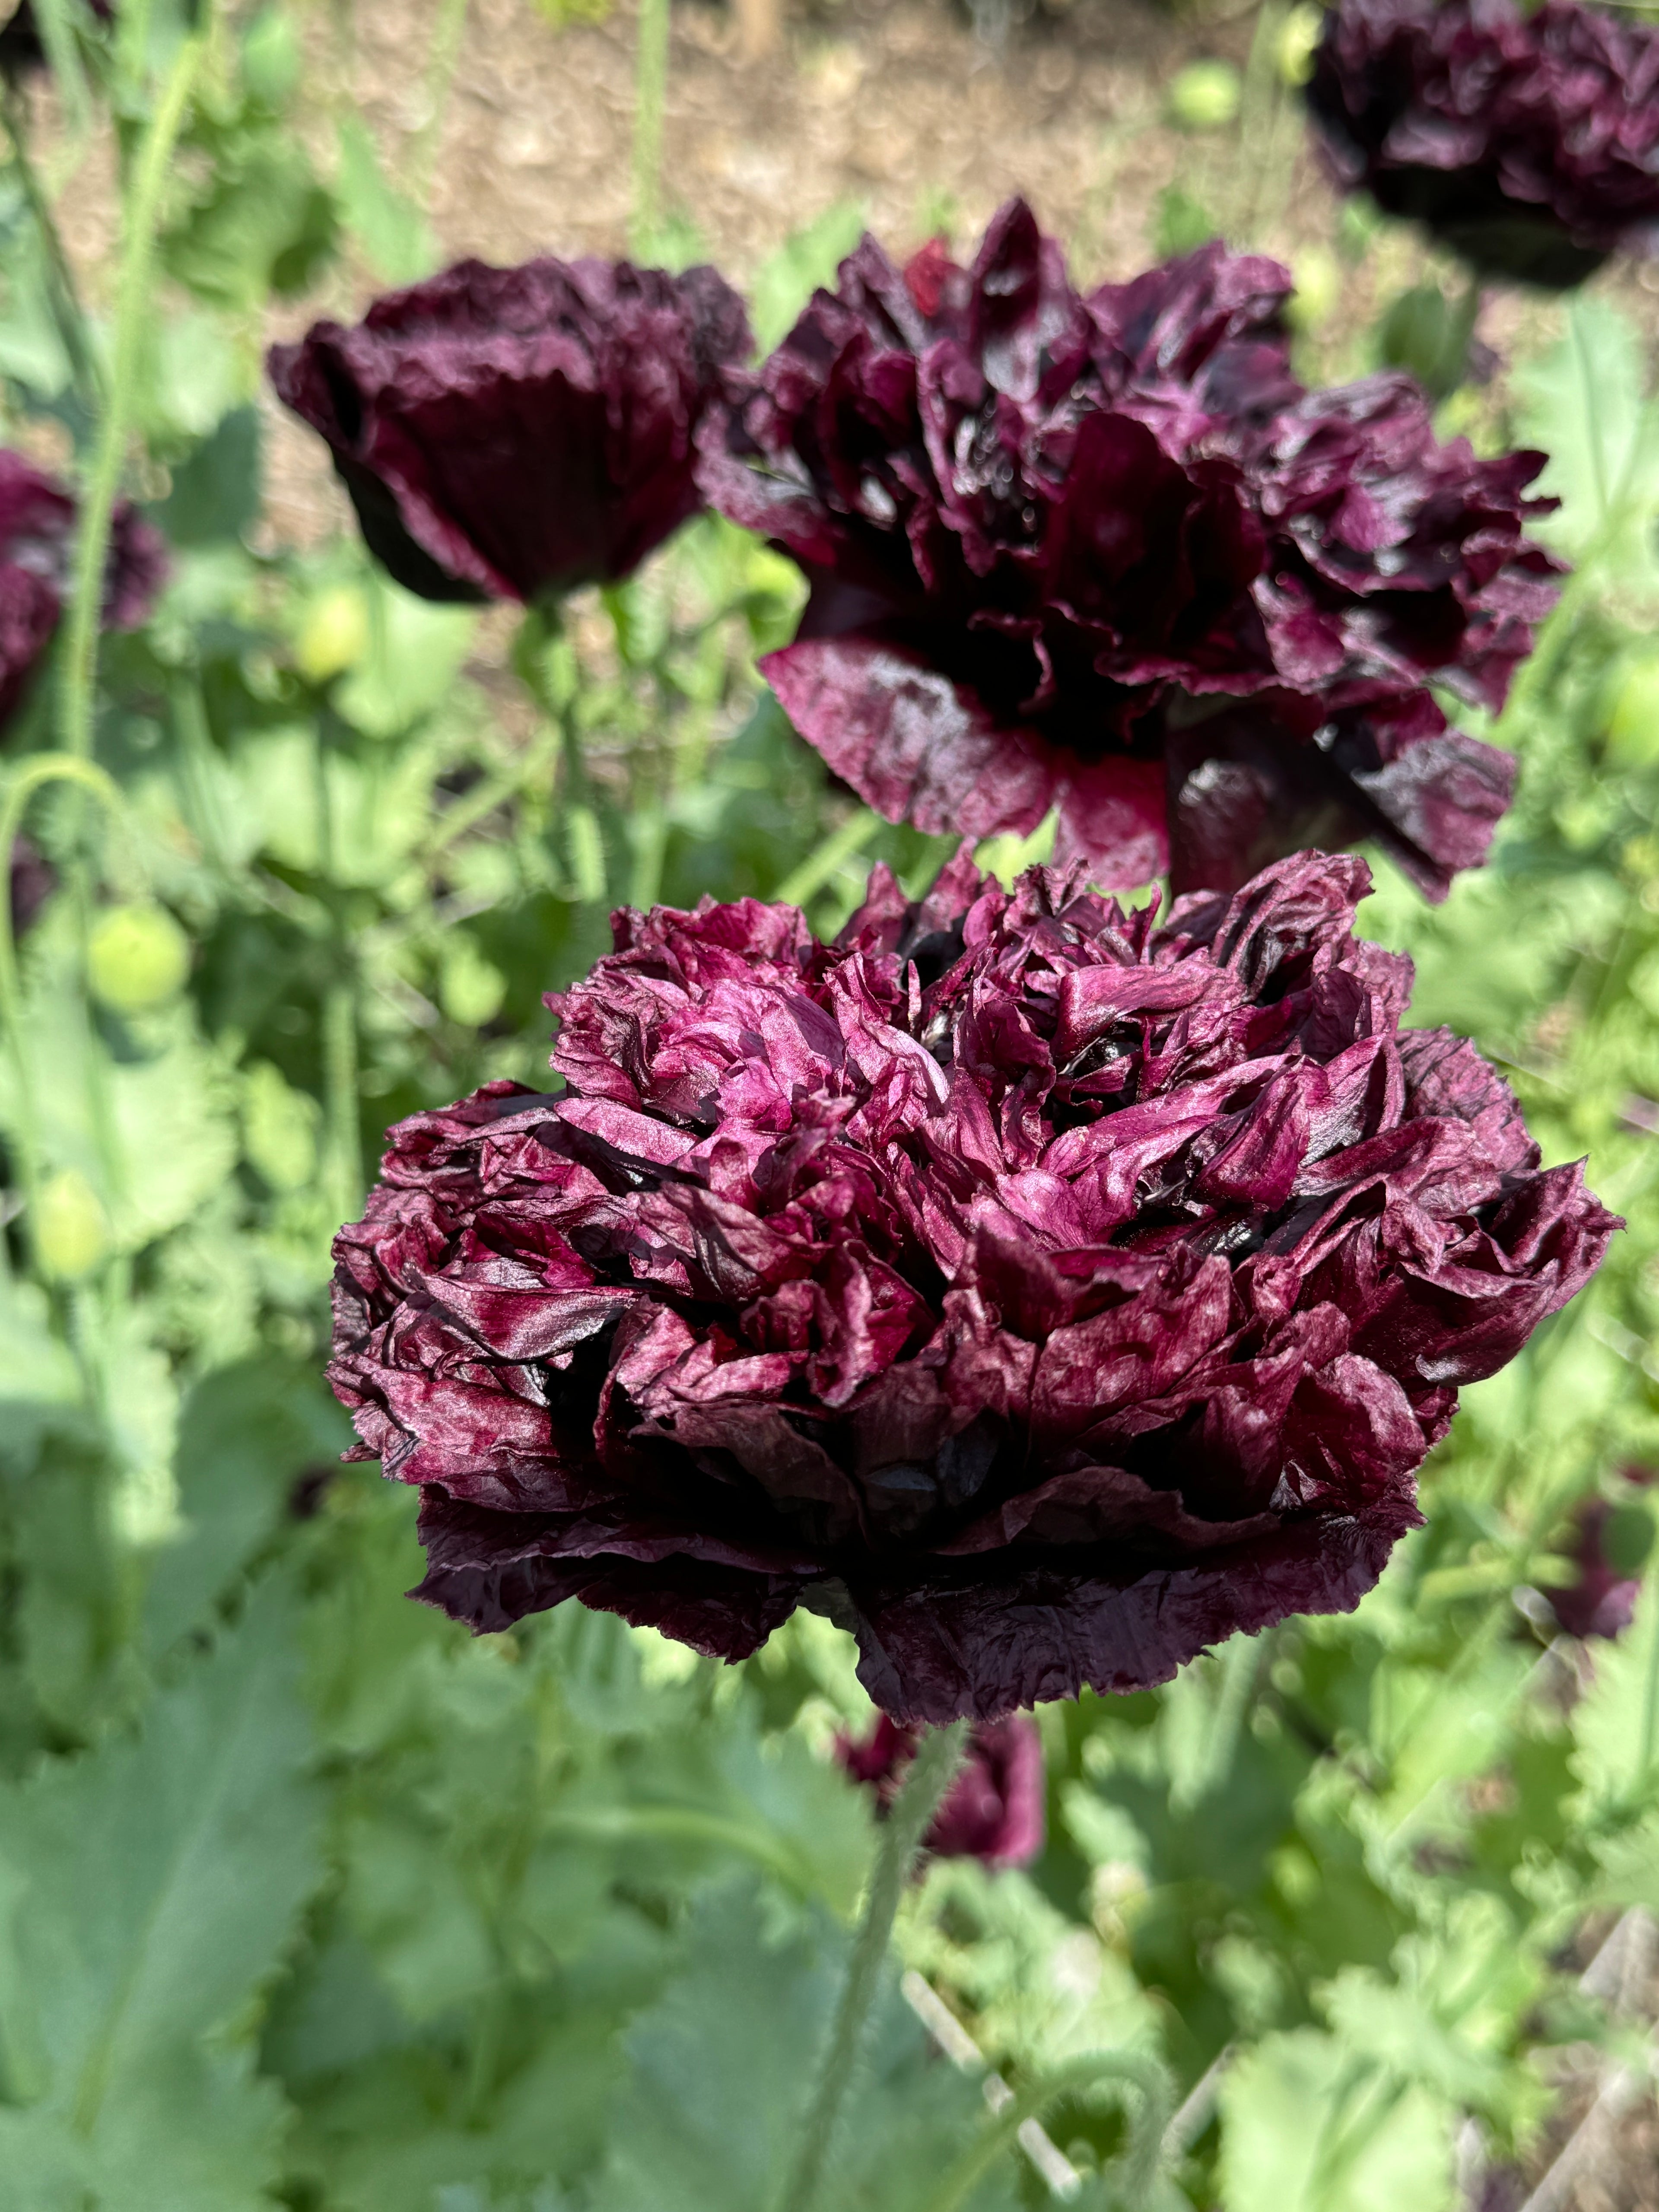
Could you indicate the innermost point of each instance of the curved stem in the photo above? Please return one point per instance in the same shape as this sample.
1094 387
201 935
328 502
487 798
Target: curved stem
1094 2066
133 313
931 1771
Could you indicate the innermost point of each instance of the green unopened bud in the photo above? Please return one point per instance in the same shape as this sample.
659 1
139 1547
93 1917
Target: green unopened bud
1318 291
1633 731
138 957
587 849
334 634
1298 37
71 1230
470 987
1205 95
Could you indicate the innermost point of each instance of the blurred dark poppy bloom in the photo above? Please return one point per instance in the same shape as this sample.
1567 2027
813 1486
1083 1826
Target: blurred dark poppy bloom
1040 1293
993 1811
32 881
1609 1545
22 48
1105 554
509 433
37 554
1528 141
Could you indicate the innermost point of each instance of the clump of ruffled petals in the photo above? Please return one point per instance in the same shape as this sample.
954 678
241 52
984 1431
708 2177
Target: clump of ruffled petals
1042 1293
1104 555
1527 140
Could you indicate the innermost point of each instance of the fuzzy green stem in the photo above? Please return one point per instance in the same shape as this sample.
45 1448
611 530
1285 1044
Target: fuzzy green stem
134 311
650 96
931 1771
839 846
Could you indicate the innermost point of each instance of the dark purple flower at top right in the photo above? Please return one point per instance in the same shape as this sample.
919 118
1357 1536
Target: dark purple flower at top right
1103 554
1527 143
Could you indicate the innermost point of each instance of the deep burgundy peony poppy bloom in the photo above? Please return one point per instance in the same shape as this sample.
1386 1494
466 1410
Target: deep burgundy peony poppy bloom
37 554
1041 1294
507 433
1106 553
1602 1600
1528 141
994 1810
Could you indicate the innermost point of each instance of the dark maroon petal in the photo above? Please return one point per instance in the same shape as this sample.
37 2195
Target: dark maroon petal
1108 555
1528 141
912 745
1042 1293
505 433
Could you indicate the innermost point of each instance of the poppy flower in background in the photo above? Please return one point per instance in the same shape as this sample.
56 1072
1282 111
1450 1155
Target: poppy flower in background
21 47
508 433
37 553
1040 1293
1610 1544
1526 140
995 1810
1105 554
32 879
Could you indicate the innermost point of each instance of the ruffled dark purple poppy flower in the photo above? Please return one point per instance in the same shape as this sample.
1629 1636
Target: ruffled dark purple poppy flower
994 1810
1610 1545
1106 555
1041 1294
36 554
1529 141
508 433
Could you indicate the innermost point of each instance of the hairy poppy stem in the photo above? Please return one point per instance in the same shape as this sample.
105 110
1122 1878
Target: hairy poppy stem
932 1773
134 317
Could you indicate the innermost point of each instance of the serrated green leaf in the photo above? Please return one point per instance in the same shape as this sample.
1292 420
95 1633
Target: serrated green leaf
246 1434
721 2071
1309 2127
149 1887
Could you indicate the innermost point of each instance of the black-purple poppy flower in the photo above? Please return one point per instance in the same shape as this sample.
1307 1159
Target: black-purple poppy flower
1609 1545
510 433
994 1811
1105 554
37 556
1040 1293
1527 140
